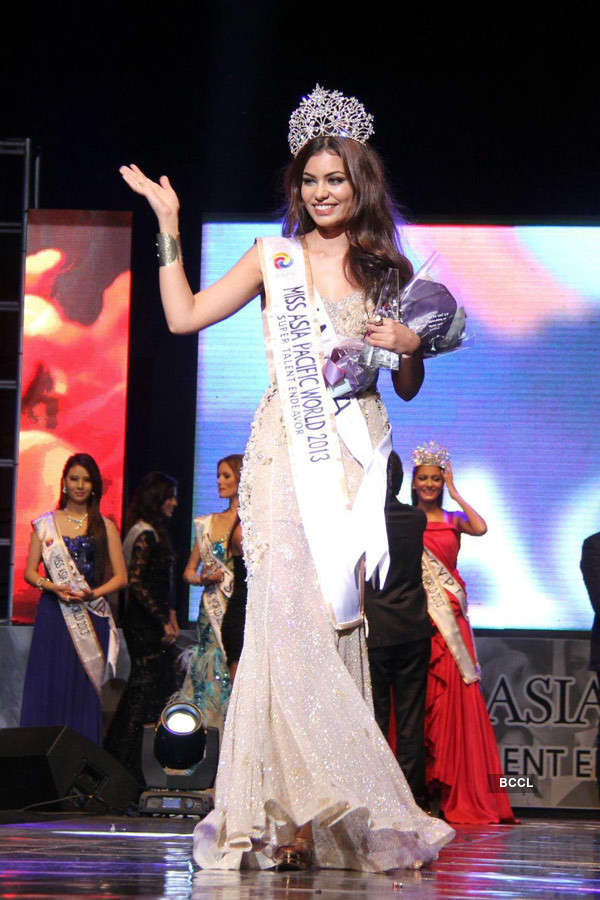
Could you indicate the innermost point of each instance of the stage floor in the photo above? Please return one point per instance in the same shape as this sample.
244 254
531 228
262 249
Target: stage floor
145 857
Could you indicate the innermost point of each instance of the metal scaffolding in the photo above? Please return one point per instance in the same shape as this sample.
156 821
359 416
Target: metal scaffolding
20 168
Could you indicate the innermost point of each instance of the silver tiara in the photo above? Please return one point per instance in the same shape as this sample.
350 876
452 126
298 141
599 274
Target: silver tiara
431 454
328 113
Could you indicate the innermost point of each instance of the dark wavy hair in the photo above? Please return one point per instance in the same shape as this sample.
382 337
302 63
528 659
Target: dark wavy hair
235 462
147 501
413 493
371 231
95 523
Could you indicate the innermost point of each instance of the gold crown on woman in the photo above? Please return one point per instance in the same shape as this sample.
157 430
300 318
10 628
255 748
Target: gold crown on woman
431 454
328 114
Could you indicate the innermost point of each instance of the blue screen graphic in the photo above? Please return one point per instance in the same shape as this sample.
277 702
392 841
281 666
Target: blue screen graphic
518 408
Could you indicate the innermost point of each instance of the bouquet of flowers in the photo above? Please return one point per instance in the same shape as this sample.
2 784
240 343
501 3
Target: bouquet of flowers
423 305
432 312
344 371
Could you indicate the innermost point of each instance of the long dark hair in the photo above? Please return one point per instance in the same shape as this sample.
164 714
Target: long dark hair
413 493
147 501
374 243
95 523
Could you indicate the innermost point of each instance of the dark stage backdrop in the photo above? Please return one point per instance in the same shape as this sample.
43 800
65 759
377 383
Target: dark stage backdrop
471 118
74 375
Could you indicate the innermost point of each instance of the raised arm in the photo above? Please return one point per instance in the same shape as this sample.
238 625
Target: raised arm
185 311
469 521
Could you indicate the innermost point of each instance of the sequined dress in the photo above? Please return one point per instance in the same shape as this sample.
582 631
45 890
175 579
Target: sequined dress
207 682
57 689
301 743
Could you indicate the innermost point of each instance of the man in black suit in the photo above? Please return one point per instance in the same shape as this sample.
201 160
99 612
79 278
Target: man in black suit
590 568
399 635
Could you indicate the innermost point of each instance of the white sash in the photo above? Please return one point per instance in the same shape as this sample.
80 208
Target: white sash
436 578
215 596
61 569
368 528
132 536
337 534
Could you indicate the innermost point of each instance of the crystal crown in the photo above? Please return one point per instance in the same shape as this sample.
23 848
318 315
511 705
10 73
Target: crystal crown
328 113
431 454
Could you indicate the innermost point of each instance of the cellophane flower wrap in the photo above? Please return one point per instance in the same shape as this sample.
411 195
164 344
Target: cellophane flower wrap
423 305
429 309
345 372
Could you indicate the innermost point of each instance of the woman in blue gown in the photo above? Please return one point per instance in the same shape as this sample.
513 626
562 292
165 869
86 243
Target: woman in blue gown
59 689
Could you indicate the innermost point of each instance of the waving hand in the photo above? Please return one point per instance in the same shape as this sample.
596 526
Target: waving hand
160 195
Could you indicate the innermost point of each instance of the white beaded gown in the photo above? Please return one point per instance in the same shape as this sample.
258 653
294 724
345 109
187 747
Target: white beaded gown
300 742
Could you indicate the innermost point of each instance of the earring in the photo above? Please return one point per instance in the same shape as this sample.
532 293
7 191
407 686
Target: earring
64 488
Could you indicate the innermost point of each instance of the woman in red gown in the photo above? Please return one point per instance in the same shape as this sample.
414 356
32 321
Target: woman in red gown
461 747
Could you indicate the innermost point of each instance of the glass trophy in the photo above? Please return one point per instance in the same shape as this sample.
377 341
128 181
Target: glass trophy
388 307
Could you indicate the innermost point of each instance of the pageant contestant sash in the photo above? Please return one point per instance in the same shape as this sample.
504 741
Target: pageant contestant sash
132 536
368 529
61 569
215 596
436 578
293 340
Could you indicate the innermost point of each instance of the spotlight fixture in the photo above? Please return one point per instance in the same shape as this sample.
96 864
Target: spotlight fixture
179 762
180 738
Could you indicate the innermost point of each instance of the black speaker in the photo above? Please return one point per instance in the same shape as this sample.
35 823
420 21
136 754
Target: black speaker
42 765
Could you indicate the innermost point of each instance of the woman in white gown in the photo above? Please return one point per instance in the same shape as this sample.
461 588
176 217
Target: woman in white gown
302 758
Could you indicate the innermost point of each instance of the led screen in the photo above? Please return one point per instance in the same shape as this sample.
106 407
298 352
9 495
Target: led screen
74 370
518 408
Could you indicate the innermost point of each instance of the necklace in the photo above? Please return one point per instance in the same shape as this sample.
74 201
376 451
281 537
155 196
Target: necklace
76 522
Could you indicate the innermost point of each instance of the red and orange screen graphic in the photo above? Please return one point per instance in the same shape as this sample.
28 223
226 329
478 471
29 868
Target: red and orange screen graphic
74 370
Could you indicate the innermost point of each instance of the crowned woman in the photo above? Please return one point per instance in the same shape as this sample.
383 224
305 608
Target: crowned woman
460 744
305 774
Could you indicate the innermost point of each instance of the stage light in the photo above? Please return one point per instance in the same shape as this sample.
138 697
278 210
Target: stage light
180 738
179 762
180 720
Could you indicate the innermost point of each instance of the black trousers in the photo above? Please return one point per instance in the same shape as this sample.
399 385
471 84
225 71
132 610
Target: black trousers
403 669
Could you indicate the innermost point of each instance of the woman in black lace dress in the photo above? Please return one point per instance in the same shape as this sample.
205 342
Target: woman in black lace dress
149 621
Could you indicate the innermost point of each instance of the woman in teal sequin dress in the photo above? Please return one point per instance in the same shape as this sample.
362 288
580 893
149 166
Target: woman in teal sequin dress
208 681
